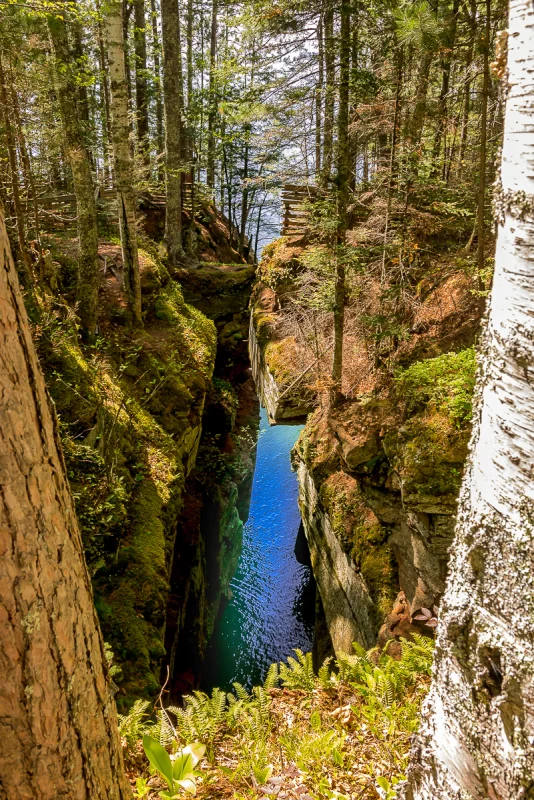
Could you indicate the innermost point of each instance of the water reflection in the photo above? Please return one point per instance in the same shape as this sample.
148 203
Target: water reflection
271 611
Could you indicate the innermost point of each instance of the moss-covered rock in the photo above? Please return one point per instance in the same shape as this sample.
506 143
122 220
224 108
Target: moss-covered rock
131 412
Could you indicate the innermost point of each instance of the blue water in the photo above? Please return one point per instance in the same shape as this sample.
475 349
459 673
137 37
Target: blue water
271 611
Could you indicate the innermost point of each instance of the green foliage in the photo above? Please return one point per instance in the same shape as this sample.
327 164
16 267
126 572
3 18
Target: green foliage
298 673
315 723
417 25
179 773
445 383
133 726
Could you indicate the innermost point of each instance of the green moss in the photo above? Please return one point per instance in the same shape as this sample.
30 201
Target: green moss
280 357
363 537
130 412
279 266
445 384
428 452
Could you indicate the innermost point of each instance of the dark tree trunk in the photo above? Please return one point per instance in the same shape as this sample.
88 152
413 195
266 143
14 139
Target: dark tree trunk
342 198
212 101
160 141
172 99
141 84
330 69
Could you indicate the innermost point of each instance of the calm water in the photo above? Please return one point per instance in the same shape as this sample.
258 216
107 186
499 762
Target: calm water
271 611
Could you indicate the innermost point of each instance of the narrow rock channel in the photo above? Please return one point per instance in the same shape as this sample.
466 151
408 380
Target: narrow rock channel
271 611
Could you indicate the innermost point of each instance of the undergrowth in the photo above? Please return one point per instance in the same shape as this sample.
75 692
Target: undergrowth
445 383
342 733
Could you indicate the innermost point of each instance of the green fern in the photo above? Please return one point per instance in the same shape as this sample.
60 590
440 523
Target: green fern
133 726
273 678
298 673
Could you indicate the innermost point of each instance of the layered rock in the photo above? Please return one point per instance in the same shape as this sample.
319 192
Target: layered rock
281 387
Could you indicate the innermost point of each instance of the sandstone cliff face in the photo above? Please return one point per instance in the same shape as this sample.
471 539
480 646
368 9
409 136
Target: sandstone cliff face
379 475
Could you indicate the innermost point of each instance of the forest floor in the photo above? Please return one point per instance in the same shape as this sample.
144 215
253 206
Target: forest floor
342 734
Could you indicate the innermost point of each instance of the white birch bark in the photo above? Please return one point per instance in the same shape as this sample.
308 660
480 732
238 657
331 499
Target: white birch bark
124 172
477 734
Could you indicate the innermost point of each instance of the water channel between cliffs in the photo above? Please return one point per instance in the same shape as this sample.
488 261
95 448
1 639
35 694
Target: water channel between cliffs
272 608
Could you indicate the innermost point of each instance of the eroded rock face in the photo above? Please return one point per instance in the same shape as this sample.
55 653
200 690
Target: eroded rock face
369 537
282 392
346 600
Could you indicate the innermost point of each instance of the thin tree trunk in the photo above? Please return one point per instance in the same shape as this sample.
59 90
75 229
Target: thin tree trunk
212 101
59 725
319 99
25 261
126 11
124 173
415 121
475 740
106 122
244 194
160 141
481 213
88 268
343 174
446 63
189 58
172 99
467 88
330 69
393 160
26 164
141 86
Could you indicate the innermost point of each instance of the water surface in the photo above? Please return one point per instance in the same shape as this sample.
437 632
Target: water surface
271 611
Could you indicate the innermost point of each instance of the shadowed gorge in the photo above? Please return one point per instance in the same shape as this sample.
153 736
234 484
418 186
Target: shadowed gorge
272 263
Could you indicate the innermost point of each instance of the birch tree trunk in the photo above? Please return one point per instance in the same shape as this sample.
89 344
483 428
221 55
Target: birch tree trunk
477 735
124 174
58 726
88 279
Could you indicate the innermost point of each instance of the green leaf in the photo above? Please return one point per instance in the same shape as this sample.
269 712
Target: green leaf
263 774
315 721
337 757
188 784
159 758
196 751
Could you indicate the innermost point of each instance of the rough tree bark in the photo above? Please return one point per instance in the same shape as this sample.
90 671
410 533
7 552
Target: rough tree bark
58 727
124 173
172 103
477 734
88 279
